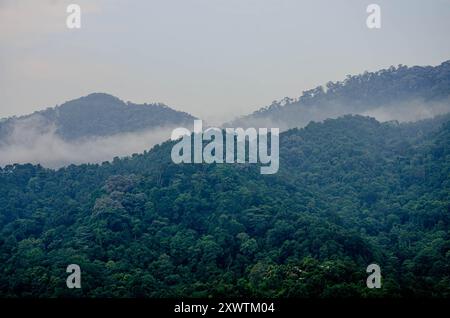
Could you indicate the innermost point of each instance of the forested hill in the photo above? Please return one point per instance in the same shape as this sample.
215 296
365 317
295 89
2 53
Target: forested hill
97 114
350 192
398 93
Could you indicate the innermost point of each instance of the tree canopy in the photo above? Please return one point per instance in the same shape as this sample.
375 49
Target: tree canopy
350 192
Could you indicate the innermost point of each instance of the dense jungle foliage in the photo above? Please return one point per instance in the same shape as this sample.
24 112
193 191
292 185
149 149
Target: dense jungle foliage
350 192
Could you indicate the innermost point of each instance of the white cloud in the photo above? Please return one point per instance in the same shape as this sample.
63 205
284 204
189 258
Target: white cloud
34 141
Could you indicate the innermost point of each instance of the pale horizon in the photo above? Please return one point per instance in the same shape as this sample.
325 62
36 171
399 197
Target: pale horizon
214 60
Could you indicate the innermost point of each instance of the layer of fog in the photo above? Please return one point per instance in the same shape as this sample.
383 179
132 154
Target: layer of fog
409 111
34 141
299 116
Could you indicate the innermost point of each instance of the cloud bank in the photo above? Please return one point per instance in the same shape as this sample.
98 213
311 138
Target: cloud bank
32 141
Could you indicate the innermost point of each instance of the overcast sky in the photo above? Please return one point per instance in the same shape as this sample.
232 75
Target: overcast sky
216 59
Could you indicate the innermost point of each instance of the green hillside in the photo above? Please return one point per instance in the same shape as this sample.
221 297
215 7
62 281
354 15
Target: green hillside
350 192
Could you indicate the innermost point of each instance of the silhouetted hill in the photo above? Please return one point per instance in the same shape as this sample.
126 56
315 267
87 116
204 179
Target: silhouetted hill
398 93
90 129
97 114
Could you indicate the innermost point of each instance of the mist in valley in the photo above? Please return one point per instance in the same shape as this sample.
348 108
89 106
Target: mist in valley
34 141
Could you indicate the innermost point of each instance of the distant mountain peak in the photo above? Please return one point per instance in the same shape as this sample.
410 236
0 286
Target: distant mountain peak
101 97
101 114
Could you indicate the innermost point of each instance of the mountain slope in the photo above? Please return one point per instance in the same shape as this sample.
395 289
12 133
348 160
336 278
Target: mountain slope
401 93
350 192
90 129
99 114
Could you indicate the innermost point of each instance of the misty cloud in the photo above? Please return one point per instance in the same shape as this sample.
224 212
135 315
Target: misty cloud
299 116
409 111
33 141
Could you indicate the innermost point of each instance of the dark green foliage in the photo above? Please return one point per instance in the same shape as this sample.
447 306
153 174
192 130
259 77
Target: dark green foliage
350 192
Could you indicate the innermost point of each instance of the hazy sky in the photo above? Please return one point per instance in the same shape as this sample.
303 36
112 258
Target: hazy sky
216 59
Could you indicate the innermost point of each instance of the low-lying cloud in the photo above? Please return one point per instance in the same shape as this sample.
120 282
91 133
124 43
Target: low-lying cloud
30 141
35 140
300 115
409 111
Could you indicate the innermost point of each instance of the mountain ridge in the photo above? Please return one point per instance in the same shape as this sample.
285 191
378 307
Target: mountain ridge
414 93
99 114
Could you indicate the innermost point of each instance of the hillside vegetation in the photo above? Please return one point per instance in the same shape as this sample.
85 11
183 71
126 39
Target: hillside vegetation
350 192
